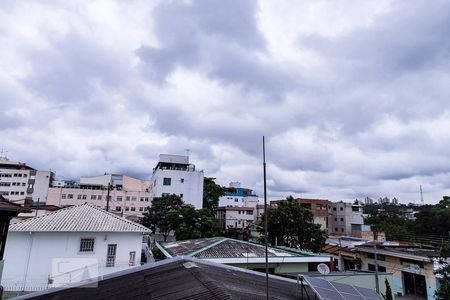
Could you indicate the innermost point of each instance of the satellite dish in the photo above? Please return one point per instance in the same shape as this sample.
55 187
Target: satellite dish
323 269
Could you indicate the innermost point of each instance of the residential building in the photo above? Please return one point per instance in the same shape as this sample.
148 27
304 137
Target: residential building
412 268
343 216
175 175
318 207
128 196
182 278
20 182
245 254
236 196
69 245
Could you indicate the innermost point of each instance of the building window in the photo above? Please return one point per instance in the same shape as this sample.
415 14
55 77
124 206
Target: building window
335 219
99 197
87 245
142 199
118 208
181 195
63 196
167 181
342 229
132 258
119 198
128 198
22 193
342 219
133 198
84 197
380 268
334 208
141 209
182 180
79 197
236 200
93 197
341 208
335 229
133 208
249 212
127 208
146 199
69 196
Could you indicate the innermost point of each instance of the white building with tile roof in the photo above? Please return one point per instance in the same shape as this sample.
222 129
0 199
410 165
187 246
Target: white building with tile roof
69 245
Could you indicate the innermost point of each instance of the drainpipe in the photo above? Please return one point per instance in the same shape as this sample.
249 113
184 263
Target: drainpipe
27 263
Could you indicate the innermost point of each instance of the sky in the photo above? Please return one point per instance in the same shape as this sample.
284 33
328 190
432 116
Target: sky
353 97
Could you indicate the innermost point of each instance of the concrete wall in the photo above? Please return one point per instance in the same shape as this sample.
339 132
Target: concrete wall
28 256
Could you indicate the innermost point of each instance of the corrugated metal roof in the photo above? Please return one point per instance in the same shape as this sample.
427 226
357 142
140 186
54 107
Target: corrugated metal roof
82 218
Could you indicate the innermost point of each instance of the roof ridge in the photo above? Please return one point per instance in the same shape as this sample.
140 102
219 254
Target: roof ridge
114 215
221 240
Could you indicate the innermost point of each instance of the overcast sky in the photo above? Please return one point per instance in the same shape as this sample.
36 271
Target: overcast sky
352 96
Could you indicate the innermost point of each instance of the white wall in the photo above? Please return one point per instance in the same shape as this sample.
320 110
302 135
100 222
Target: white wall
39 248
191 188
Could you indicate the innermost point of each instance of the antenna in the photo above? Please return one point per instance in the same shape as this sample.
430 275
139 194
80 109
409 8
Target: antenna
187 153
421 195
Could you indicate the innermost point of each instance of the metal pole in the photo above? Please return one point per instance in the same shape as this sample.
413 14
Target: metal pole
265 221
107 197
377 284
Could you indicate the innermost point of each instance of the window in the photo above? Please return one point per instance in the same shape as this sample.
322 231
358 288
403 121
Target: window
181 195
379 256
342 229
334 208
24 184
22 193
335 219
99 197
342 219
25 175
335 229
167 181
93 197
142 199
341 208
63 196
118 208
69 196
146 199
239 212
87 245
182 180
119 198
127 198
236 200
133 198
127 208
133 208
141 209
249 212
380 268
30 186
84 197
79 197
132 258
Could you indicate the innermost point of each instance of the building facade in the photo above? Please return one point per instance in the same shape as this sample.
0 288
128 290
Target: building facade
20 182
66 246
128 196
343 216
175 175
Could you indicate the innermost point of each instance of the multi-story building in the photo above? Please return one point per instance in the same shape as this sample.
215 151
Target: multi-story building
343 216
236 196
20 182
175 175
127 195
318 207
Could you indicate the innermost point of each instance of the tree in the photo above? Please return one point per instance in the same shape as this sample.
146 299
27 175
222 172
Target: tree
164 214
388 290
292 225
198 223
211 193
443 273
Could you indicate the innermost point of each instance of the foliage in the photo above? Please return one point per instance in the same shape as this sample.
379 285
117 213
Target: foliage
211 193
443 273
445 249
157 254
394 227
445 202
164 214
292 225
388 290
433 221
196 224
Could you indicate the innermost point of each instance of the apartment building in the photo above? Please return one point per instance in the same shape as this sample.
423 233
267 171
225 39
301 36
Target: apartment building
128 196
174 174
237 196
343 216
20 182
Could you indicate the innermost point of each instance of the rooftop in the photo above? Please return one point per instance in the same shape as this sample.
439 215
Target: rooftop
178 278
11 208
221 247
81 218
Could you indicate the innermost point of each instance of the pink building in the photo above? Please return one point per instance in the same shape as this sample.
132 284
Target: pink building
128 196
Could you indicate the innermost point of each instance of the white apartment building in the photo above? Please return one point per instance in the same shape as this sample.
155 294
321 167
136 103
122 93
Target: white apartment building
343 216
236 196
19 182
128 196
67 246
175 175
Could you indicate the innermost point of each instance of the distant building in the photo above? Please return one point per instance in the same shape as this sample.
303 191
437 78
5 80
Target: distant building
128 196
245 254
318 207
69 245
175 175
236 196
343 216
368 201
20 182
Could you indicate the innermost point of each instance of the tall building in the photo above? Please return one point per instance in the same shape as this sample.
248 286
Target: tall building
20 182
236 196
344 216
127 195
175 175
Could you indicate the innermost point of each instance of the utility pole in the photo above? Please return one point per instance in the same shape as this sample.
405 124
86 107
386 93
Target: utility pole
107 196
377 284
265 221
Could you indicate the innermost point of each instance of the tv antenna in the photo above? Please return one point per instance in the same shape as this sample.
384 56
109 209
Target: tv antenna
421 196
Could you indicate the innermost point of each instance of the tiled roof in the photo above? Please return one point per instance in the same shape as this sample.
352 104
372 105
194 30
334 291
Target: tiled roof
179 278
82 218
221 247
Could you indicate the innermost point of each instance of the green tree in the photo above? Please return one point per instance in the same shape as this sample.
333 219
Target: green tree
292 225
211 193
164 214
198 223
388 290
443 273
